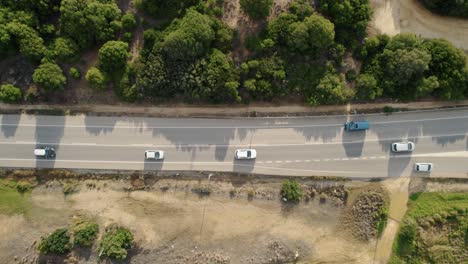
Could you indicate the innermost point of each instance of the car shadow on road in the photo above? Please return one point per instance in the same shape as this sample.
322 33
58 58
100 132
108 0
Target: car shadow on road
10 125
353 143
49 132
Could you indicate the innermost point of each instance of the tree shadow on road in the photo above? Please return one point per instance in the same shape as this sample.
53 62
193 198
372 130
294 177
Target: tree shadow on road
353 143
10 125
49 132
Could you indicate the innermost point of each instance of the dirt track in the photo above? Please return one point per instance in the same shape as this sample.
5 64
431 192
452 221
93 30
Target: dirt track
396 16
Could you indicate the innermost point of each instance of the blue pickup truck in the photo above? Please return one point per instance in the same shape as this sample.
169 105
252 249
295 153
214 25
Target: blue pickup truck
356 125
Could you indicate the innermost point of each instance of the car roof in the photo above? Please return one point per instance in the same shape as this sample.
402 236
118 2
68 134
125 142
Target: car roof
39 152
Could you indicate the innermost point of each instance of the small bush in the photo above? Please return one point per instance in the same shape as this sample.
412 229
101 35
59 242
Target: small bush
84 231
388 109
10 93
202 189
75 73
56 243
23 186
115 242
381 217
96 78
69 187
291 190
32 93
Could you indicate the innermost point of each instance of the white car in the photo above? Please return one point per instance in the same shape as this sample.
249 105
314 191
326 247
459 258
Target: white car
154 154
246 154
45 152
403 146
423 167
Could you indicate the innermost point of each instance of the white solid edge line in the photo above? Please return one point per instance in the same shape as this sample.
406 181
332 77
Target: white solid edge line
233 127
193 163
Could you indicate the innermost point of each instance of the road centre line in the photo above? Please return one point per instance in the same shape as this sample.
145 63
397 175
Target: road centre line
220 145
232 127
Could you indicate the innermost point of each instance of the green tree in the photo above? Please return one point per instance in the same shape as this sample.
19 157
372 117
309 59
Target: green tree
165 8
129 21
330 90
115 243
404 68
50 77
30 43
367 87
315 33
264 79
64 49
96 78
10 93
220 79
89 21
113 56
189 38
457 8
350 18
448 64
56 243
279 27
291 190
256 9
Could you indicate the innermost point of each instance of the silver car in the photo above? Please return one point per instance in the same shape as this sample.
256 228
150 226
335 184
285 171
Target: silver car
403 146
423 167
245 154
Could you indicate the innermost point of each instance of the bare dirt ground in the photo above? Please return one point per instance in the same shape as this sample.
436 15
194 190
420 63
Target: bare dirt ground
395 16
239 222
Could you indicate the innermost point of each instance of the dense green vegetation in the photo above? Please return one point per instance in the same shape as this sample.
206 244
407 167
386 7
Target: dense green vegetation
434 230
56 243
115 243
193 56
256 9
457 8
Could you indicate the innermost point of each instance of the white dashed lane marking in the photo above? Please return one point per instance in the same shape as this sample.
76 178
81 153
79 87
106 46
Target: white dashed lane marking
320 160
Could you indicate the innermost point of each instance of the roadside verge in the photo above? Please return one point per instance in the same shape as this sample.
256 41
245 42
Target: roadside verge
269 110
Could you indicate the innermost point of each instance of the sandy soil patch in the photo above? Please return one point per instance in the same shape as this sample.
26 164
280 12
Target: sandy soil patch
395 16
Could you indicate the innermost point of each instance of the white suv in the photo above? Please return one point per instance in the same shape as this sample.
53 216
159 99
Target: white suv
403 147
246 154
154 154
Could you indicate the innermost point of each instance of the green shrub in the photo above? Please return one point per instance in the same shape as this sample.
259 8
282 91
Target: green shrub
127 37
291 190
84 231
23 186
50 77
406 239
113 56
10 93
381 217
75 73
256 9
129 21
115 242
96 78
56 243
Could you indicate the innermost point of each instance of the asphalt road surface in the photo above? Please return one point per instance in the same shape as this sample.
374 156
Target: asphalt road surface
285 146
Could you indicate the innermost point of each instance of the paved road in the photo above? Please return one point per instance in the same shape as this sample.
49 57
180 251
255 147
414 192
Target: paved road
286 146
